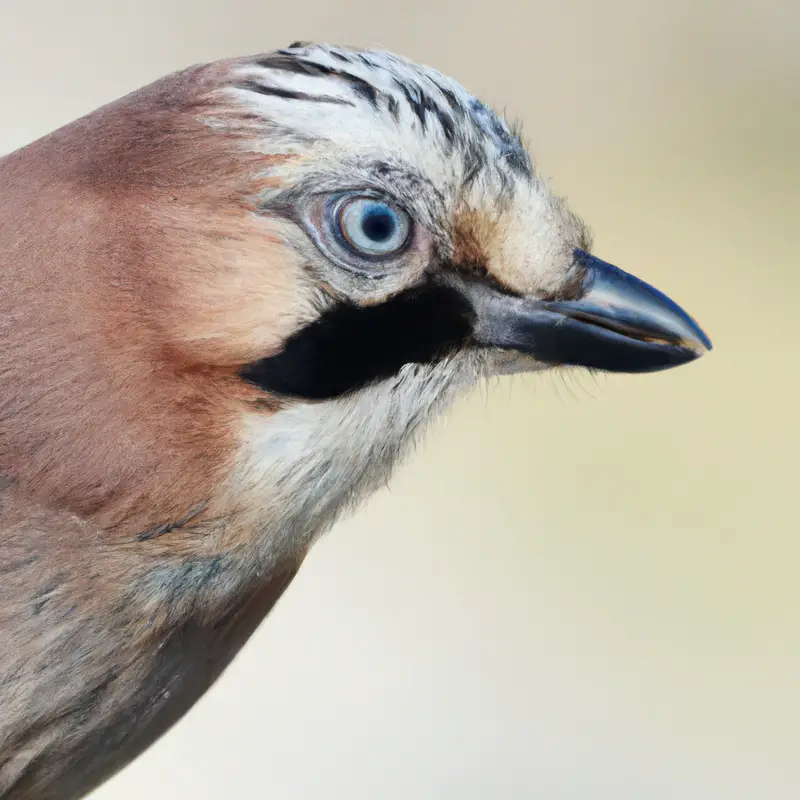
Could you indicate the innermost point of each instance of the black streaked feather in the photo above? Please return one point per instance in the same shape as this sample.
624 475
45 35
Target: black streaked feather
288 62
289 94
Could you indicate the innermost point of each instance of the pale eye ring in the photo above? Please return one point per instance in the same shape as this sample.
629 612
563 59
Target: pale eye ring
371 227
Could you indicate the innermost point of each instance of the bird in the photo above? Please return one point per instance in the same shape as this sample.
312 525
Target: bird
232 301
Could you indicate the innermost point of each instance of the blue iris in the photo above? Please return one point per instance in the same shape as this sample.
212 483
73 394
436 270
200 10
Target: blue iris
371 227
378 222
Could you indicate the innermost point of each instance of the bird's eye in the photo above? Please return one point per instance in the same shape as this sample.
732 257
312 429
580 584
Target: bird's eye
370 227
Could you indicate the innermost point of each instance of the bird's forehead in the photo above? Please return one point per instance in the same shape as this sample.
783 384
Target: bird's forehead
321 100
346 113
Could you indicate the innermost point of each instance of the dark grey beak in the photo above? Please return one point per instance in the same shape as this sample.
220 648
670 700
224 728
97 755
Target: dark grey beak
618 324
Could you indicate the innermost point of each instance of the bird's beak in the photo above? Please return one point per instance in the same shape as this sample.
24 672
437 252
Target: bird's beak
617 324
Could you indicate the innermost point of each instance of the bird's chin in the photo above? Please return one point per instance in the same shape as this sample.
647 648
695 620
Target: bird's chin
511 362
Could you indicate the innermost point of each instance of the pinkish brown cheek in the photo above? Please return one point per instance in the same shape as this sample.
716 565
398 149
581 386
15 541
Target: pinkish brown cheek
241 301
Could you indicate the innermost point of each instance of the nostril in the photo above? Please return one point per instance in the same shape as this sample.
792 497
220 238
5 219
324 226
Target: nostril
573 286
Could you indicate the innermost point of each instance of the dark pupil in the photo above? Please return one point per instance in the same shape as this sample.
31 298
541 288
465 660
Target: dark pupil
378 224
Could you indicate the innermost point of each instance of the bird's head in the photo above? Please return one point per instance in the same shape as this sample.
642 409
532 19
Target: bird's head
427 250
424 235
347 238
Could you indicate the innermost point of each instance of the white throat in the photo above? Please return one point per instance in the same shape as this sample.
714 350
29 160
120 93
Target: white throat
301 467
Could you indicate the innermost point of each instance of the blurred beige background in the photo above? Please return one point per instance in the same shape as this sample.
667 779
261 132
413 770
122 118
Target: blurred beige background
575 589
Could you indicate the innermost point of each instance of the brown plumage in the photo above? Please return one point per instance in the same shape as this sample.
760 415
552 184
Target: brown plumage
154 503
121 240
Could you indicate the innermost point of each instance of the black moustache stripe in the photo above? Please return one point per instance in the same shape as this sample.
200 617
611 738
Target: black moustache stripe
350 346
